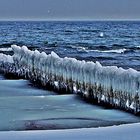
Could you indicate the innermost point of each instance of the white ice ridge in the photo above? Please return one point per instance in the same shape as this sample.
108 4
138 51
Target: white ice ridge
110 84
6 58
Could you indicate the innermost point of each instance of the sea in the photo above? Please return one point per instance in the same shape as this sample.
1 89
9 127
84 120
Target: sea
109 42
26 107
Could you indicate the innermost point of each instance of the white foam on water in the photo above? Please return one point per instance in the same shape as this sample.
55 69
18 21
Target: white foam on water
101 34
109 51
138 46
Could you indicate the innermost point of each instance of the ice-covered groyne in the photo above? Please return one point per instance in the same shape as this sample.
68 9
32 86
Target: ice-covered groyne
105 84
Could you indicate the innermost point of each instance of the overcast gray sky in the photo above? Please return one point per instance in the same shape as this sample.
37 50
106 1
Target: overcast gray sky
69 9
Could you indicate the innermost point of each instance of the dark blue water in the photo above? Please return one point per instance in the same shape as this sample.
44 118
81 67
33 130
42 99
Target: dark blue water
109 42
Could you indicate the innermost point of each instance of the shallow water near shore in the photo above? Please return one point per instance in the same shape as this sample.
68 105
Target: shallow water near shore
25 107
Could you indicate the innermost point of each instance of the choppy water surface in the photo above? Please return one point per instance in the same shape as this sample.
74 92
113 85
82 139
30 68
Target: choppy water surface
110 42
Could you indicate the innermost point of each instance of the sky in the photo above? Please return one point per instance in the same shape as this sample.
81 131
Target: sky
69 9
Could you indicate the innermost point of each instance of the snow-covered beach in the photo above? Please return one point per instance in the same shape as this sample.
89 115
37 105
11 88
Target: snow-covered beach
123 132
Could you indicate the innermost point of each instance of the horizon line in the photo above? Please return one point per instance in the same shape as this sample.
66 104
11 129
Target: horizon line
35 19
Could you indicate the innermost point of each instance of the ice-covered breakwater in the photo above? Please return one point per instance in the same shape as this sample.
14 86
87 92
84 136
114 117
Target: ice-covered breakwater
106 85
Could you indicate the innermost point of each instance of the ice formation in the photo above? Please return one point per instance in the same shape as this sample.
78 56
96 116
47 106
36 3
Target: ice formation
5 49
6 63
107 84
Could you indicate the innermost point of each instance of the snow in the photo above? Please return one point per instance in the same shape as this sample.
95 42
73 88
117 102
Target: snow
5 49
6 58
122 132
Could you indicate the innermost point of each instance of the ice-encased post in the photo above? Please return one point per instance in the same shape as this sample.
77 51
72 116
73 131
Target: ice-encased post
112 85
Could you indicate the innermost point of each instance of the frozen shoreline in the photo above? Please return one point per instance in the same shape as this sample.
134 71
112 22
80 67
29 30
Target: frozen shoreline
31 108
122 132
106 85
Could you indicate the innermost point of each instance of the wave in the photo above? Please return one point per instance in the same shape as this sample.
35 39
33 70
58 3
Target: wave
69 31
129 48
138 47
89 30
100 47
118 46
6 45
78 47
87 46
128 36
101 51
10 43
109 51
94 58
115 48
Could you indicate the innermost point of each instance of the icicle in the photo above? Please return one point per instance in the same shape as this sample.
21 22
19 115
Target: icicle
132 106
127 104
